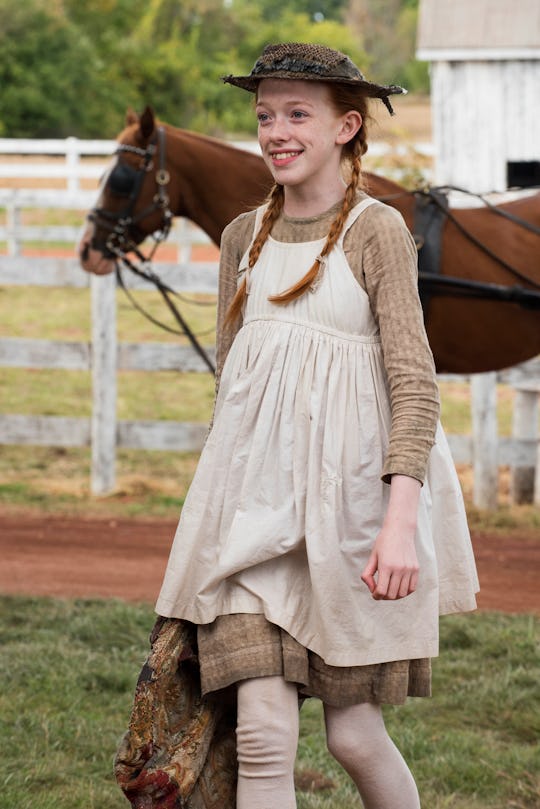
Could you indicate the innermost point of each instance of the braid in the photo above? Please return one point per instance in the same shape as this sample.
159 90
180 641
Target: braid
336 227
275 204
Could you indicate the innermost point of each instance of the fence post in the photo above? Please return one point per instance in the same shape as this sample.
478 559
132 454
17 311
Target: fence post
536 494
484 424
13 221
72 164
183 241
524 426
104 360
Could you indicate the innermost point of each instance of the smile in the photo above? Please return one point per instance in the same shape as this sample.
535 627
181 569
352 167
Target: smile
284 157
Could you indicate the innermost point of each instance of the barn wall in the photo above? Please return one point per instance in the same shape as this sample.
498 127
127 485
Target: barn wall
484 114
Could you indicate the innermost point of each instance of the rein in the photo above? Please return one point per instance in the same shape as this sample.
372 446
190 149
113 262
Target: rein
119 242
462 287
166 291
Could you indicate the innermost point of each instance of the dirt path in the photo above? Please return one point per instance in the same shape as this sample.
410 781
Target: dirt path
60 556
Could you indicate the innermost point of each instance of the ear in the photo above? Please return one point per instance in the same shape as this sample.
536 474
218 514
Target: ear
350 124
131 117
147 123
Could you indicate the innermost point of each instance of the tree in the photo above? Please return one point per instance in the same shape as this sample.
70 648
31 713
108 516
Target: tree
315 10
387 29
104 21
68 67
53 80
185 51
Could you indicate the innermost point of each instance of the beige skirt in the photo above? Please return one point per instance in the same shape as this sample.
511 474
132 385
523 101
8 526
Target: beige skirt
240 646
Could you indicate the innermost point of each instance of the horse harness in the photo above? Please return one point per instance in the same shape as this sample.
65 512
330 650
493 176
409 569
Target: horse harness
430 215
126 181
429 218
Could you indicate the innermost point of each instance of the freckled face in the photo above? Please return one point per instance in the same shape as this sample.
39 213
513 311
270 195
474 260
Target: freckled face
300 133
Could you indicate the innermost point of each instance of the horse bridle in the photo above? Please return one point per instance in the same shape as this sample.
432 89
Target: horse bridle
121 225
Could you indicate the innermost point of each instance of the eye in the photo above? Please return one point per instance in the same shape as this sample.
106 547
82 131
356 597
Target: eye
263 117
298 114
122 180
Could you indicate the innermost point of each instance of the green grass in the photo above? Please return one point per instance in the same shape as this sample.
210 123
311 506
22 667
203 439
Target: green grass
48 216
64 314
161 395
57 480
68 670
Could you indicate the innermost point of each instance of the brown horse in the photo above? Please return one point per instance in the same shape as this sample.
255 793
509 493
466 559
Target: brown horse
210 182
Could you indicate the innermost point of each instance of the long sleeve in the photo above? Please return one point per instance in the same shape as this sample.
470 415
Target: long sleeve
234 243
383 258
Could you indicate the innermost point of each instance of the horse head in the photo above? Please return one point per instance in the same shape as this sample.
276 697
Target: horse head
134 196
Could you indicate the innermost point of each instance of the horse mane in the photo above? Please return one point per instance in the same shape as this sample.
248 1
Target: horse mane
130 131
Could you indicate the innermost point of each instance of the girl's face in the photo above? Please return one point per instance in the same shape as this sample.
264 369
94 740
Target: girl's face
301 134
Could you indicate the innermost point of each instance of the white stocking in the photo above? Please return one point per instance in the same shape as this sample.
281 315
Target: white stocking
357 738
266 738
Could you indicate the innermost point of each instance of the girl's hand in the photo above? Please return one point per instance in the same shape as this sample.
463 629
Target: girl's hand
392 568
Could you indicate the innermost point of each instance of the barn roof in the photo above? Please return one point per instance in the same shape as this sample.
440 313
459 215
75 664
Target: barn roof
479 29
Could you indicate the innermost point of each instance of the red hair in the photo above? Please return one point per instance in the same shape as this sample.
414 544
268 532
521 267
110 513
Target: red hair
344 98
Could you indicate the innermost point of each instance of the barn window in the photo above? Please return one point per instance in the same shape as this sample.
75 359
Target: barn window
522 173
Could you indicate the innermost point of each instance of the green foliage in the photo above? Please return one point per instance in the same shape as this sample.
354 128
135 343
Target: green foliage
49 68
387 29
185 50
69 669
316 10
68 67
104 21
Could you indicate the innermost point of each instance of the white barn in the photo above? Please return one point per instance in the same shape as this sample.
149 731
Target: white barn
485 90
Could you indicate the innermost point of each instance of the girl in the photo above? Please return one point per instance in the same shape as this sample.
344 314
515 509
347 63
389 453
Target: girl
324 530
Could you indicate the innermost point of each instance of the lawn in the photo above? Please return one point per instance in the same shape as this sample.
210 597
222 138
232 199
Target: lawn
69 668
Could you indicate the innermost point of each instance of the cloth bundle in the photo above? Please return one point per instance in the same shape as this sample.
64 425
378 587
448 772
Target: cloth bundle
179 751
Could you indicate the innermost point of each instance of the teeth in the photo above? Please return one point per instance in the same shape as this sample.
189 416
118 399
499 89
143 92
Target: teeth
284 155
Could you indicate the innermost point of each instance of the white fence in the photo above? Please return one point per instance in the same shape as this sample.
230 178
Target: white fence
103 356
71 172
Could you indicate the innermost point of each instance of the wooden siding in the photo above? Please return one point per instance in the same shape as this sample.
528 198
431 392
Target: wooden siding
484 114
479 24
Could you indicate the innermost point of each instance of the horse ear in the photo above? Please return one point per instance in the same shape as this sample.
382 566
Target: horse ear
131 117
146 122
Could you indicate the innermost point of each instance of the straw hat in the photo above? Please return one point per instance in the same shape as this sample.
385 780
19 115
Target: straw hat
300 60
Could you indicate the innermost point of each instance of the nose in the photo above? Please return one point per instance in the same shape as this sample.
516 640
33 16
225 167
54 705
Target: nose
279 129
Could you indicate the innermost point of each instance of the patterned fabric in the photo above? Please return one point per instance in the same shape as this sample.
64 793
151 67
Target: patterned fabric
237 647
179 751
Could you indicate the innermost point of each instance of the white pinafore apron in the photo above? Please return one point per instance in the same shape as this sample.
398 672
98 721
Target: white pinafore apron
287 499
